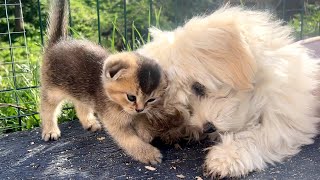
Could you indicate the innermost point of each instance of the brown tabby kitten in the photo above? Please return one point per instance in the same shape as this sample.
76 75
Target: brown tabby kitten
116 87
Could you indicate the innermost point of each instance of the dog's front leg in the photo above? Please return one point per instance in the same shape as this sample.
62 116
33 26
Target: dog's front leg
235 156
252 149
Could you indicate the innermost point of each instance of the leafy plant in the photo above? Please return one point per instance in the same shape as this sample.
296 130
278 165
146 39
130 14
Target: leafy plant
307 25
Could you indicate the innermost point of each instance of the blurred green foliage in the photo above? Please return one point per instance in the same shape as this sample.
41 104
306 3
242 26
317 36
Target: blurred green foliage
308 24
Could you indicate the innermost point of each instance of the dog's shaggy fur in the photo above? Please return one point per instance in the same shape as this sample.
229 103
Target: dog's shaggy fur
257 84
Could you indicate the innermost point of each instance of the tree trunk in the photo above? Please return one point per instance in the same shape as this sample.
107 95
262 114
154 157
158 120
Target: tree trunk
18 18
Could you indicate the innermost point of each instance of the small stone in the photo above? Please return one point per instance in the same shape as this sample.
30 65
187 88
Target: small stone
175 161
177 146
150 168
198 178
181 176
173 167
34 165
101 138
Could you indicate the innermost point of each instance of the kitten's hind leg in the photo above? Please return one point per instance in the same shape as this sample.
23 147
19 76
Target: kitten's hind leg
49 110
86 117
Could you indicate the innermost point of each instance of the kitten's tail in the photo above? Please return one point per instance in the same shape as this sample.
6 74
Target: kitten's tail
57 21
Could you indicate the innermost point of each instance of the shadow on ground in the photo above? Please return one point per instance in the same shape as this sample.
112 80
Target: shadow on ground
83 155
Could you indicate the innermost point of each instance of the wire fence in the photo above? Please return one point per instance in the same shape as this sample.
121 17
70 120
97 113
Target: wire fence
20 51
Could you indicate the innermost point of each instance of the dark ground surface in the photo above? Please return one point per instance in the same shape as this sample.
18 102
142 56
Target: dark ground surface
84 155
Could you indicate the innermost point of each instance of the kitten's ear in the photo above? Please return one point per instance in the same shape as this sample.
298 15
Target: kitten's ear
114 70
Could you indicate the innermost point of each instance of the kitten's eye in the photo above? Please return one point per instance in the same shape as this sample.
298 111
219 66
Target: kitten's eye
131 98
151 100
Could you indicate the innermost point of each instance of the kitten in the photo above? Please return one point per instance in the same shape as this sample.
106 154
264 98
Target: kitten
116 87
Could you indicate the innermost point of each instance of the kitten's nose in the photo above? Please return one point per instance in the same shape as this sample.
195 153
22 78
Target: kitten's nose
139 110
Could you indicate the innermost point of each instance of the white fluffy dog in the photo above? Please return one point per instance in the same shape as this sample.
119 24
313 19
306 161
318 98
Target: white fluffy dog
257 86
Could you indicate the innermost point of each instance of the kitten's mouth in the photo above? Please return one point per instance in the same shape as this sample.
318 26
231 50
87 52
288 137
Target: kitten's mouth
135 112
140 112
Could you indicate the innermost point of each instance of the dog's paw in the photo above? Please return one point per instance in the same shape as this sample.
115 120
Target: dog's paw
224 162
51 134
148 155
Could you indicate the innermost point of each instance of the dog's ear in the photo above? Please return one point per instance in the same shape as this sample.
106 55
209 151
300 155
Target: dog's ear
232 58
114 70
222 49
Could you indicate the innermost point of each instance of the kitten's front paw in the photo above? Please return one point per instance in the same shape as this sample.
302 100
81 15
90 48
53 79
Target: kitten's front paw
145 136
193 133
214 137
148 155
224 162
51 134
92 125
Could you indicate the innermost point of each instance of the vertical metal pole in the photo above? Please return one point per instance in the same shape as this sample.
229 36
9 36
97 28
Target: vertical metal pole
98 15
319 28
175 12
40 21
12 64
301 19
70 17
125 21
283 9
150 13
